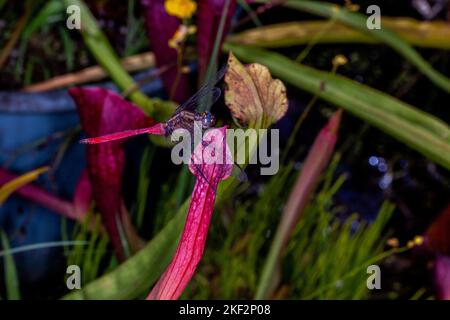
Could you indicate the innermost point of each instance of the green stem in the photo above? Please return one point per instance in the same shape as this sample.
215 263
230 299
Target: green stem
319 35
42 245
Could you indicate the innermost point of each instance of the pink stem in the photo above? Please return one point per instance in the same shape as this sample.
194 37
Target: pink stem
192 244
190 249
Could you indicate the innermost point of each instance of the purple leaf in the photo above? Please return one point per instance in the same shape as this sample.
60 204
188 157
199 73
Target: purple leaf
208 20
442 277
160 29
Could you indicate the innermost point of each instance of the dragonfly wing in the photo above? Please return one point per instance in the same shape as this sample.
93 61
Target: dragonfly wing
215 96
192 103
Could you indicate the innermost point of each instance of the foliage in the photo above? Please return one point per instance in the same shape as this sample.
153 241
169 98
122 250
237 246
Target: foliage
232 267
417 129
327 251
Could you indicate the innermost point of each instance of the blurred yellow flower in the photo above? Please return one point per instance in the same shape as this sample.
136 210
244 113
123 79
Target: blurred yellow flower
180 35
339 60
410 244
418 240
183 9
350 6
393 242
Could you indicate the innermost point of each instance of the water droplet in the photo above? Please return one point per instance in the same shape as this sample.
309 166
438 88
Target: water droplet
373 161
385 181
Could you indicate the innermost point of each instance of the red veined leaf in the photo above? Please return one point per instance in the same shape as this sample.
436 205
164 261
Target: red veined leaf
103 112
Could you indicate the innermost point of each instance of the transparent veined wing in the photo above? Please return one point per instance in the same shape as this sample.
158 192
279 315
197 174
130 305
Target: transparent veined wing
191 104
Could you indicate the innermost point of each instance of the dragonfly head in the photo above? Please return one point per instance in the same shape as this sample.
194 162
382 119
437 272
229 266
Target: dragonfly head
208 120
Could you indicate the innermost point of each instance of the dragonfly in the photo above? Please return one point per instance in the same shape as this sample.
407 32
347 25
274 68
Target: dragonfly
185 117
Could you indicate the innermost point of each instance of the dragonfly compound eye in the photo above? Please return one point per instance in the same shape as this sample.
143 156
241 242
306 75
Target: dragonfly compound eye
208 120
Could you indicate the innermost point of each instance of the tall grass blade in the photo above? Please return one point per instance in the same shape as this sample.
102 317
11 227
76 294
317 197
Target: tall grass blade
316 161
11 277
429 34
8 188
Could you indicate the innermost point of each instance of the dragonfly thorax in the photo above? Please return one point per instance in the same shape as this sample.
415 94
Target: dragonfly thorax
186 119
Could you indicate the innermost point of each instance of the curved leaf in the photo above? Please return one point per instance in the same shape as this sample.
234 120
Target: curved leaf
426 34
9 187
252 95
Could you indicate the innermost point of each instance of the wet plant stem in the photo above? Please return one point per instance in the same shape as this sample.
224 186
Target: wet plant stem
326 27
302 118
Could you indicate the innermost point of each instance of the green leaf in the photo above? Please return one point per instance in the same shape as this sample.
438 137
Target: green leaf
52 11
11 278
426 34
2 4
143 184
415 128
135 276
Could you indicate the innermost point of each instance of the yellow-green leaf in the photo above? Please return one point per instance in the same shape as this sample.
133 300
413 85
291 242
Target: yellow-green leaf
11 277
252 95
8 188
426 34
